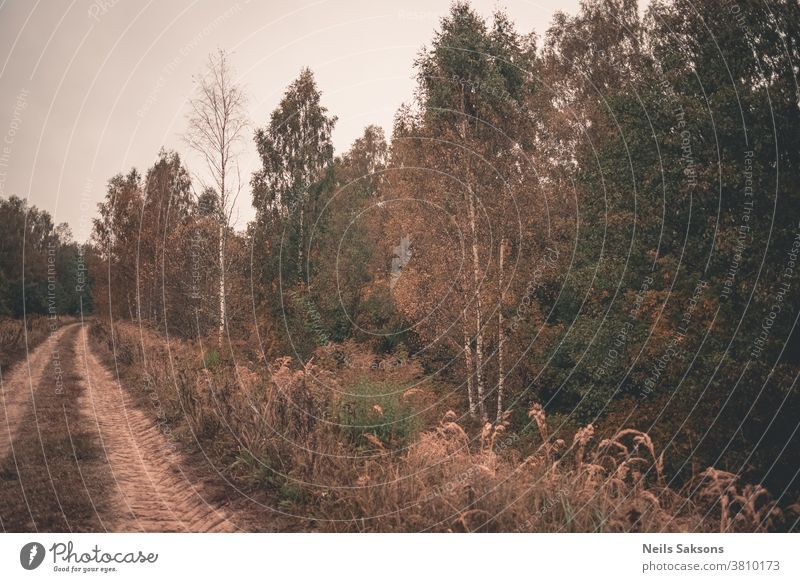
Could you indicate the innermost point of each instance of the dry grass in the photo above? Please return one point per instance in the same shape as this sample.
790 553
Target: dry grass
276 428
13 334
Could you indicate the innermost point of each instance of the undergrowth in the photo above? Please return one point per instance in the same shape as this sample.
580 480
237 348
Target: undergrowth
349 442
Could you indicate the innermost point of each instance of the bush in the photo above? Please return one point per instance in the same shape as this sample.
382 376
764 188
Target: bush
376 410
211 358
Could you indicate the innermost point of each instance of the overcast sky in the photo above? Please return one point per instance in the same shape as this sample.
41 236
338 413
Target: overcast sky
92 88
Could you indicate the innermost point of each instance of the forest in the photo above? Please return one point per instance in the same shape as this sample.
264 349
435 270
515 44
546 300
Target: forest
561 294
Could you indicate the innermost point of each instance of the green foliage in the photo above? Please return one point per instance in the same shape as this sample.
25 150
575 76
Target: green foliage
259 471
678 184
211 358
42 270
324 299
483 72
380 317
378 409
291 493
296 169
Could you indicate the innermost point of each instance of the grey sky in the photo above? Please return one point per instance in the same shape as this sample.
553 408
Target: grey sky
91 88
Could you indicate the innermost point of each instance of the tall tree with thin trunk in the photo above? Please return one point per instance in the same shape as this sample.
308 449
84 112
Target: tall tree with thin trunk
472 137
217 121
296 163
501 336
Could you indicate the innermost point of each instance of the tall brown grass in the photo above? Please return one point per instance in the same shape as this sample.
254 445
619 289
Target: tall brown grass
18 337
276 427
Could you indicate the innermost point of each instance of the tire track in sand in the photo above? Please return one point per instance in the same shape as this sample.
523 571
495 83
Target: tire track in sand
151 491
17 389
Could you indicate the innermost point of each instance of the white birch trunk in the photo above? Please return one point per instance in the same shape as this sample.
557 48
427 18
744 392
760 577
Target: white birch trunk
480 388
501 336
479 383
469 365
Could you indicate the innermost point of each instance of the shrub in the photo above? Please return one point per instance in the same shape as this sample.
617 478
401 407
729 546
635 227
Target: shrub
376 410
211 358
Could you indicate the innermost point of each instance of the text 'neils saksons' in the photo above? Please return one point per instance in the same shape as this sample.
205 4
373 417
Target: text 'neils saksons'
681 549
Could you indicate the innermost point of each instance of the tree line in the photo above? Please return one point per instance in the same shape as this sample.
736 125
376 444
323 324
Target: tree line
42 269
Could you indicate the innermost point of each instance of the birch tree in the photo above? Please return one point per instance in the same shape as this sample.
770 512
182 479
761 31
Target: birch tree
472 132
217 121
296 162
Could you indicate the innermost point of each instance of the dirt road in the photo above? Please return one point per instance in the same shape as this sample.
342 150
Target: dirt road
17 388
77 455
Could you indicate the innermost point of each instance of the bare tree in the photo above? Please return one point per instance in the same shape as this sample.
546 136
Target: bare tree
216 125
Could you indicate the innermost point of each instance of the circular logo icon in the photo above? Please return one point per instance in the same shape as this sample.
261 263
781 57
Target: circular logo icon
31 555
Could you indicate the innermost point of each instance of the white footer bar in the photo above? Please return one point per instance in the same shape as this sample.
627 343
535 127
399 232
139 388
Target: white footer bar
399 557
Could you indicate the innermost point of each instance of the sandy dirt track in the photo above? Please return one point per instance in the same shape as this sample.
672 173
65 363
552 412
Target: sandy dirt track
153 493
86 458
17 388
